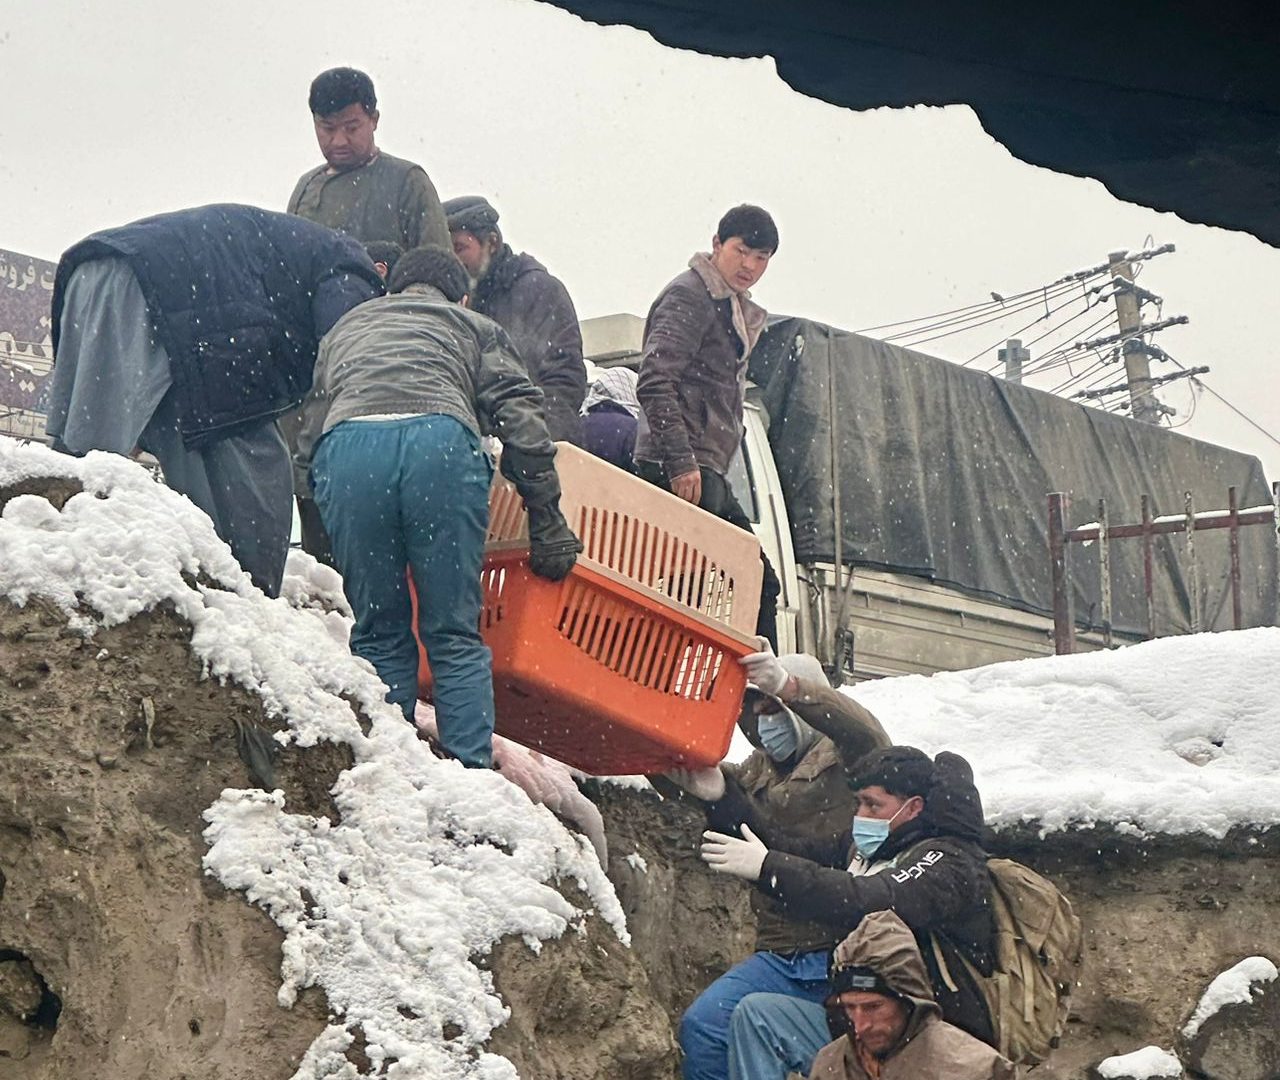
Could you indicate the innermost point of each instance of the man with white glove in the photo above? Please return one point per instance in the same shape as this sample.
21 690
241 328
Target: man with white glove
729 855
808 738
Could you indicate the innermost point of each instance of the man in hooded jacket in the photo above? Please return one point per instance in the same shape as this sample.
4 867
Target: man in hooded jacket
809 738
896 1030
917 852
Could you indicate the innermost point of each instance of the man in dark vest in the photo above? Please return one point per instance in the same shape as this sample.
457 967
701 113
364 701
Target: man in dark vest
187 334
533 307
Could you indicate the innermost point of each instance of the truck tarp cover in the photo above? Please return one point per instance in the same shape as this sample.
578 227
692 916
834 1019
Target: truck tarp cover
944 473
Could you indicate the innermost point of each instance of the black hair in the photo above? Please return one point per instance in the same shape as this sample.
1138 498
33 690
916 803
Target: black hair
902 771
335 89
430 265
754 225
384 251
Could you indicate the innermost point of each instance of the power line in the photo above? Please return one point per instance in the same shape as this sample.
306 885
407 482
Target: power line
1036 367
1243 416
979 319
1077 378
1014 333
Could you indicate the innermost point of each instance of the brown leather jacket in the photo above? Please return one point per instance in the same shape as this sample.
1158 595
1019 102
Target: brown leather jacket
693 373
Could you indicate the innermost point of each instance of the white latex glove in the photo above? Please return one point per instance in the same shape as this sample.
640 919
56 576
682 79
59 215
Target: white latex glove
729 855
706 784
765 670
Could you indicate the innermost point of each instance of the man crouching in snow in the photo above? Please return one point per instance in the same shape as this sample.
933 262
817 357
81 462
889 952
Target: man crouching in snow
404 388
879 983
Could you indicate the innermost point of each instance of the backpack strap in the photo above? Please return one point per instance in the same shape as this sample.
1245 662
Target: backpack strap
943 969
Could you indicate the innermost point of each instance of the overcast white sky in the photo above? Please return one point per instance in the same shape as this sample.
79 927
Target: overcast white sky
610 157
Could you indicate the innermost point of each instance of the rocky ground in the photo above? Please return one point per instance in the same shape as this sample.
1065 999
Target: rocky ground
118 958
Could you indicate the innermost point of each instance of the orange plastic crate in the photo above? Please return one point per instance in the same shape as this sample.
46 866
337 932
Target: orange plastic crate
629 665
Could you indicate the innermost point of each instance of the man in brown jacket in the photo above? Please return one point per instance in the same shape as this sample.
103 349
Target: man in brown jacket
809 739
693 376
897 1032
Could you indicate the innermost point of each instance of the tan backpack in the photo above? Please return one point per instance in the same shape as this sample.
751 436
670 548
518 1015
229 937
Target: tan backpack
1038 948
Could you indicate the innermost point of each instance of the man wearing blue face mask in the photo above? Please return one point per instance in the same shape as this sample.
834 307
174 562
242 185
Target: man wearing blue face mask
918 853
809 739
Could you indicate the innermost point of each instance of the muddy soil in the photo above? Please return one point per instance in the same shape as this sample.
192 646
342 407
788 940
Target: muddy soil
119 959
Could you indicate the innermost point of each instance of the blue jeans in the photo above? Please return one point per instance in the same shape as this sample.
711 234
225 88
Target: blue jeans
415 493
704 1028
774 1035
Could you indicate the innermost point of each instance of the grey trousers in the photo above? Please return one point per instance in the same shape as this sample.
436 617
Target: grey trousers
112 391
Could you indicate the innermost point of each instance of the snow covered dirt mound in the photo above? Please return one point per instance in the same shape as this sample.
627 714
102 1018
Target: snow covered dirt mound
1169 737
122 732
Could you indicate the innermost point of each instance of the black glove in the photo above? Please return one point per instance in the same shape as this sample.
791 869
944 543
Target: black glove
533 473
553 549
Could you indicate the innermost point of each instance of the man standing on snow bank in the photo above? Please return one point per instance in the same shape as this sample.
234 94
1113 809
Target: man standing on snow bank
360 189
367 193
404 389
187 334
879 984
693 376
533 307
809 739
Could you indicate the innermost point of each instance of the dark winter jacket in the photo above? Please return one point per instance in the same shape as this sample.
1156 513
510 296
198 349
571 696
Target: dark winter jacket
387 198
535 310
810 794
932 871
609 432
240 298
414 352
929 1047
693 374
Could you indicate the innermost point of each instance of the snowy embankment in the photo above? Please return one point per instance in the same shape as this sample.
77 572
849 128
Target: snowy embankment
430 864
1172 736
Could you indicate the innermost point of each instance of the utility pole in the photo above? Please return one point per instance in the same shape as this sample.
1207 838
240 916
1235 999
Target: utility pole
1137 366
1013 356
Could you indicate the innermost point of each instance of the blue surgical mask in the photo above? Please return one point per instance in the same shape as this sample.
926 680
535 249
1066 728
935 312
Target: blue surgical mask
868 834
778 735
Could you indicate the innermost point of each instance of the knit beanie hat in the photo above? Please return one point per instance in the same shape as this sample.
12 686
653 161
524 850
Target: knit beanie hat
472 213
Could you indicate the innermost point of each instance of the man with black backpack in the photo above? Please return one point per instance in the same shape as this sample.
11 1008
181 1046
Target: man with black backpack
917 852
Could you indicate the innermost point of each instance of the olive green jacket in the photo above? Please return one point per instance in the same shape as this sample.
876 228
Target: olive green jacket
387 199
813 794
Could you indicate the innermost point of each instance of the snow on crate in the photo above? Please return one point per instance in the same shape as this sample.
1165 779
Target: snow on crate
1171 736
1235 986
429 865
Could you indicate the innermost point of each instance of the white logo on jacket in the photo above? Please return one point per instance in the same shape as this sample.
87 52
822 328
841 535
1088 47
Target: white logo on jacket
918 869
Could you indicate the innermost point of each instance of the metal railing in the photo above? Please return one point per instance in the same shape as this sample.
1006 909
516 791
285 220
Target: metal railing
1103 532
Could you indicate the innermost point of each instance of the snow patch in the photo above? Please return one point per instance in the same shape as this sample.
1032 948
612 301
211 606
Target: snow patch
1149 1063
1232 987
1173 736
430 864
